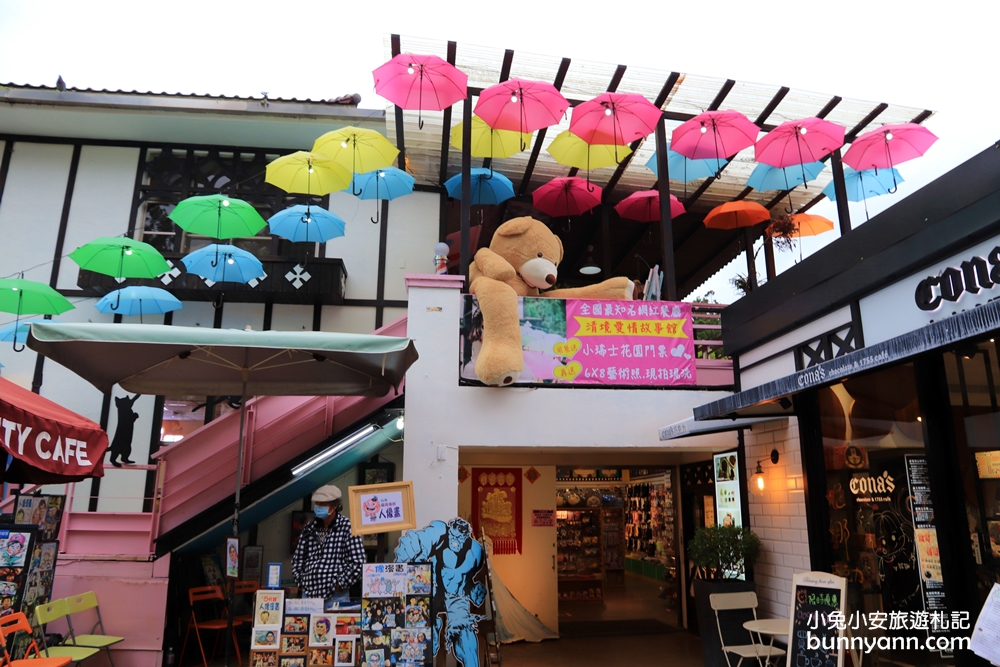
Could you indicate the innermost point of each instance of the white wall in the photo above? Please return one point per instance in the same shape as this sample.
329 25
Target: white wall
779 516
441 415
287 317
358 247
241 315
530 576
348 319
410 241
31 208
102 201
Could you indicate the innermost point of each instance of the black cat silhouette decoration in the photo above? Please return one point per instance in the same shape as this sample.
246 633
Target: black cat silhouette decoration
121 445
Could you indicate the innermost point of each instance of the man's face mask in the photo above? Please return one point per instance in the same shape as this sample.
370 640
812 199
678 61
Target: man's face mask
321 511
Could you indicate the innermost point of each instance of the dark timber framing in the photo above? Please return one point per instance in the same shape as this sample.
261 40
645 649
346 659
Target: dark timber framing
616 79
445 139
8 151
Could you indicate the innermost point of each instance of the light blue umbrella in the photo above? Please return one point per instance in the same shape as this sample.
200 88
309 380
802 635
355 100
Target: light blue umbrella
221 263
8 335
766 177
486 189
138 300
310 224
864 184
382 184
685 169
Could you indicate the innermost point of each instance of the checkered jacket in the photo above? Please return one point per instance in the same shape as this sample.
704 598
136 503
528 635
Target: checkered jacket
327 558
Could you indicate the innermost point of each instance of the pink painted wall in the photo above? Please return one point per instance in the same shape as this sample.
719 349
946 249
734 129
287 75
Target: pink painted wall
133 599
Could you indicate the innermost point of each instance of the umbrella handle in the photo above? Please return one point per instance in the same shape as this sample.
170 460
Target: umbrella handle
17 319
218 302
118 301
375 219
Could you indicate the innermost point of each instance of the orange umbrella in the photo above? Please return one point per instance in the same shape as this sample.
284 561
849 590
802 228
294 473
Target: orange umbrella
811 225
735 214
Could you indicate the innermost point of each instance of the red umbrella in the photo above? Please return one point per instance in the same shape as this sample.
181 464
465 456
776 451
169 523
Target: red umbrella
614 118
735 214
714 134
887 146
420 82
48 443
799 142
644 206
563 197
521 105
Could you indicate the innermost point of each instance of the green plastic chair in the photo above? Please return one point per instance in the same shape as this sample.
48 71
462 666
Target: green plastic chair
53 611
80 603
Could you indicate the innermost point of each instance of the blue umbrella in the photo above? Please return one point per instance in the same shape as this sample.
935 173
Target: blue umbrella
8 335
864 184
685 169
222 263
485 189
383 184
139 300
310 224
766 177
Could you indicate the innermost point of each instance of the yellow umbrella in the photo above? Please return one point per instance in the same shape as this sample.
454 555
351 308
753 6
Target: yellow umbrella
572 151
810 225
357 149
487 142
305 173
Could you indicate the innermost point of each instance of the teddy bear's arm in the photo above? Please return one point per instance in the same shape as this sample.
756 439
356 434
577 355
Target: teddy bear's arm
619 288
494 266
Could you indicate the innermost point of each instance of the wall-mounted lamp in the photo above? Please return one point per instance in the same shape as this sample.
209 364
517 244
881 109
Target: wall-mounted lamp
757 482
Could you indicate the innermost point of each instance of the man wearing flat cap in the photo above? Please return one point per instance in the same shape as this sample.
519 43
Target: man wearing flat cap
328 559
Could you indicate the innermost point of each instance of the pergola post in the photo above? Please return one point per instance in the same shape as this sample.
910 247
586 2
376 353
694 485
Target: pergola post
466 184
751 262
666 223
606 236
840 189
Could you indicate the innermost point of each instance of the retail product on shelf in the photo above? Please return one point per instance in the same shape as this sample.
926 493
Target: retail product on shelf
613 544
580 562
650 531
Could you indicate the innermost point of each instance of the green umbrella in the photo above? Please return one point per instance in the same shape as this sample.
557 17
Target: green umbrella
120 257
218 216
27 297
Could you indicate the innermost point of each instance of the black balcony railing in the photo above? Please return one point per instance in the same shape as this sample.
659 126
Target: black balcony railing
321 281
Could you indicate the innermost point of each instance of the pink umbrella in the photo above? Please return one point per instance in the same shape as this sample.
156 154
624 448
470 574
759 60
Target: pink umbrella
644 206
521 105
799 142
887 146
614 118
420 82
714 134
563 197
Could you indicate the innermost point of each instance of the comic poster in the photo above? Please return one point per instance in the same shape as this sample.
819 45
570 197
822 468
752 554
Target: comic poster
267 608
380 614
265 638
44 512
212 570
418 611
375 658
380 580
321 630
418 579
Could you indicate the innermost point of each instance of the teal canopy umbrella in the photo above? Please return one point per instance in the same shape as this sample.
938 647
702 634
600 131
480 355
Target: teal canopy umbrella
158 359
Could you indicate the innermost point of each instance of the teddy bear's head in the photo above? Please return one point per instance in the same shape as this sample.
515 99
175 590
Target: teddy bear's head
531 248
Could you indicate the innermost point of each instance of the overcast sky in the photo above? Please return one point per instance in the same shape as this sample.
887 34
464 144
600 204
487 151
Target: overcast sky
939 56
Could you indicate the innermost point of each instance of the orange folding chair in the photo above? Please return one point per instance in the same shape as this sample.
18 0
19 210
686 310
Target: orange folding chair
11 624
207 594
245 588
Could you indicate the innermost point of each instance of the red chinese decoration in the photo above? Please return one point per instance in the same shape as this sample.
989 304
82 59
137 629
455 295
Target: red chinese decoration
497 508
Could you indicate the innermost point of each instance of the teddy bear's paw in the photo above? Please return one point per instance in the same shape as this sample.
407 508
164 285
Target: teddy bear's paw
501 380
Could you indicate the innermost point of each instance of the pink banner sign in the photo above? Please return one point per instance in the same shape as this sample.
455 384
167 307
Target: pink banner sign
627 343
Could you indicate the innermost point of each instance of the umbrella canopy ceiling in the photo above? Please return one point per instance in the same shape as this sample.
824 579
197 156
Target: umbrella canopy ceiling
158 359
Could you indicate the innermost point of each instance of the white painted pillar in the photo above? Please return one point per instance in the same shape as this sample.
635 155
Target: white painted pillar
430 450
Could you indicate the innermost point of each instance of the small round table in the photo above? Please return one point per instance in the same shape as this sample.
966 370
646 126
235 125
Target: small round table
767 626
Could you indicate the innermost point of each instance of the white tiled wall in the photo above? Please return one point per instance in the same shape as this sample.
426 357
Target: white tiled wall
779 516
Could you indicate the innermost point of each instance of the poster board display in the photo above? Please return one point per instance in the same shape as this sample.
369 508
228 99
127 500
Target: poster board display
396 618
253 563
268 606
381 508
815 595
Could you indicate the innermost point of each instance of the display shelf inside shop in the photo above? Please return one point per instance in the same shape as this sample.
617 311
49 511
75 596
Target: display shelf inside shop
613 544
651 529
579 555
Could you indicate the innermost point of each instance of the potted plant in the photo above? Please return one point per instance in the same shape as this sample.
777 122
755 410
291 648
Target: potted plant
722 556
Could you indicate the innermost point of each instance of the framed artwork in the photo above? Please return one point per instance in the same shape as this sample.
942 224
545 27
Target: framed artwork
253 563
232 557
321 628
344 656
263 659
293 644
274 575
265 639
296 623
287 661
299 521
267 608
376 473
321 657
348 624
380 508
212 570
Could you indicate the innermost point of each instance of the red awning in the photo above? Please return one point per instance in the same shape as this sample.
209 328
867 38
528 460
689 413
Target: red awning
49 444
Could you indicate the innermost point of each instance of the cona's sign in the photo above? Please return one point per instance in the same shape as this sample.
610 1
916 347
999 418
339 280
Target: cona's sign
970 276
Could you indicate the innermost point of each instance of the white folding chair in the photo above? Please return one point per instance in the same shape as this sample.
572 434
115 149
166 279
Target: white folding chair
736 601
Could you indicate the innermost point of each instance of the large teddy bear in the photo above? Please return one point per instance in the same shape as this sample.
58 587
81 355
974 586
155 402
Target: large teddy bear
521 260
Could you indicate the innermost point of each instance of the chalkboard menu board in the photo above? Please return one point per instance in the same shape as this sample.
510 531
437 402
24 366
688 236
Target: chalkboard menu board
815 595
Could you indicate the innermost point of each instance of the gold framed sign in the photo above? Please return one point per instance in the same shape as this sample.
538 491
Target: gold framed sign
381 508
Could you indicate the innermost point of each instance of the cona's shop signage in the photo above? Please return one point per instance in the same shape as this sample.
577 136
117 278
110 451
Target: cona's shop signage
593 342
